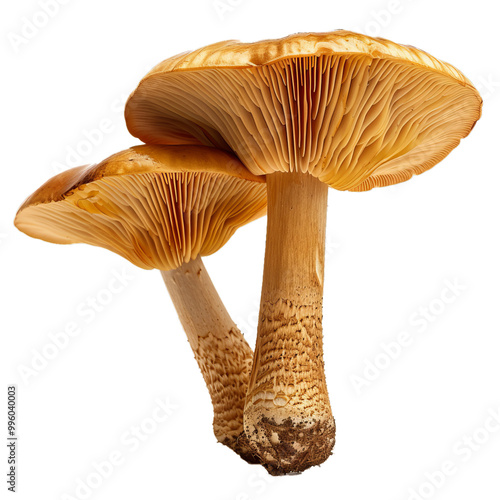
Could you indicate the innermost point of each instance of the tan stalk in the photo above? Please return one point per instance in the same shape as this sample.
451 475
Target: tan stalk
221 351
287 417
354 112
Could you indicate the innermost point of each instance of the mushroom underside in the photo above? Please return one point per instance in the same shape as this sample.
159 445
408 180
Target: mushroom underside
354 121
153 220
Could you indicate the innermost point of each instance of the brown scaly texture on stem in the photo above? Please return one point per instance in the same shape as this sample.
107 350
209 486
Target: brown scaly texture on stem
288 418
221 351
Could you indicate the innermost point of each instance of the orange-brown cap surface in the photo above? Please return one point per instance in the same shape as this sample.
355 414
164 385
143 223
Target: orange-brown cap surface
157 206
356 112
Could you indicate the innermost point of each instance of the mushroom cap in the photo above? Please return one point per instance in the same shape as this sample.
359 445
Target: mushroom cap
157 206
356 112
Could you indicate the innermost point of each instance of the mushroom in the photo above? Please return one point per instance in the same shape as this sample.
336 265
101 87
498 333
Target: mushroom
309 111
164 207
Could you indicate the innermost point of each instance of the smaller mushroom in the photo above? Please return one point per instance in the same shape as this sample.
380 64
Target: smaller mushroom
164 207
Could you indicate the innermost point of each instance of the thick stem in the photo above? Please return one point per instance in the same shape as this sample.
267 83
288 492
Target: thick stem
287 418
222 353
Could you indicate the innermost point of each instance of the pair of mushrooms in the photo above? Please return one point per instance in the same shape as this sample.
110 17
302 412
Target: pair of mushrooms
225 126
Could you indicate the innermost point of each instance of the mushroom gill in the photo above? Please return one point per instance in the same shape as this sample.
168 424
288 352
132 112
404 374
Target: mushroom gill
155 220
356 119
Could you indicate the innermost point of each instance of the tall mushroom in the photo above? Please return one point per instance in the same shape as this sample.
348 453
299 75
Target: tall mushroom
164 207
308 111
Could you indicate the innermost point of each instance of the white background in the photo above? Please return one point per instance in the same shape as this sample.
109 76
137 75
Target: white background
389 252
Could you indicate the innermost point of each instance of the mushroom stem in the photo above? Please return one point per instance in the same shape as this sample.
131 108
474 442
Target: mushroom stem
287 417
221 351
